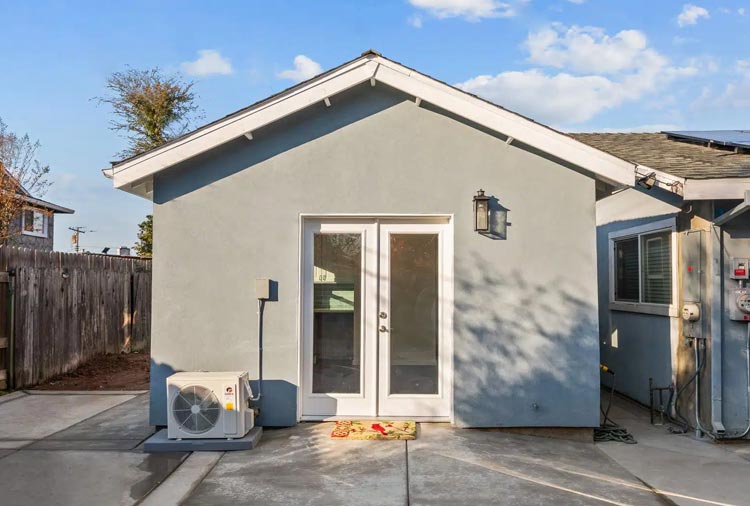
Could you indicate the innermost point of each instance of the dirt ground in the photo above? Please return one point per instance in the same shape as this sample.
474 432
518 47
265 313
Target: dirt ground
107 372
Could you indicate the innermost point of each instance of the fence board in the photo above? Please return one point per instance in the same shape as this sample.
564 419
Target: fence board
72 307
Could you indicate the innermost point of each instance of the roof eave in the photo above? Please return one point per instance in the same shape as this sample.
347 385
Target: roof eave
374 68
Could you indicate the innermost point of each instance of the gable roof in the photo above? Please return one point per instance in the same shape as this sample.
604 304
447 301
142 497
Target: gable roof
135 174
683 159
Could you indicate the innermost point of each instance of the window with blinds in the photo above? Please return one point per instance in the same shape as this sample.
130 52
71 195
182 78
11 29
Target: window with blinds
656 260
626 270
643 268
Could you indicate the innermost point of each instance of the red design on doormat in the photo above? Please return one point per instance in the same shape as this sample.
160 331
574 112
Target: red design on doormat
379 428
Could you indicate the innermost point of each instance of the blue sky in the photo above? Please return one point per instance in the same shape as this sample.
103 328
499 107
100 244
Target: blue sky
579 65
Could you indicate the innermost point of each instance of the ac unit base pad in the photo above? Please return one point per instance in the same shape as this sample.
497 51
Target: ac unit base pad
159 442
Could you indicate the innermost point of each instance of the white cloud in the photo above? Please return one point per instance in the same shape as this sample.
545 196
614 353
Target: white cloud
304 68
691 14
579 2
209 63
601 73
415 20
471 10
589 49
741 11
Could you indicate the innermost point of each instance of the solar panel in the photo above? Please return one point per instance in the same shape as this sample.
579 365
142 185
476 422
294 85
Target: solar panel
735 138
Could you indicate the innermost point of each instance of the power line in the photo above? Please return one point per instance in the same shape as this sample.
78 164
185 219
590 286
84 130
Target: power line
76 239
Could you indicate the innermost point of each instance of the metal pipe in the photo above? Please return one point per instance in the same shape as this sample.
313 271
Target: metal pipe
698 368
261 306
717 327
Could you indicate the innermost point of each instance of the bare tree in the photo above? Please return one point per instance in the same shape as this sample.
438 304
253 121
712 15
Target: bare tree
21 177
150 107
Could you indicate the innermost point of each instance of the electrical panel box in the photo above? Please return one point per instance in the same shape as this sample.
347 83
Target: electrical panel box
739 305
693 273
263 289
739 268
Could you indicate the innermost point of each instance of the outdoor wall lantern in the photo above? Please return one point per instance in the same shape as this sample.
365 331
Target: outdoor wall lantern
481 212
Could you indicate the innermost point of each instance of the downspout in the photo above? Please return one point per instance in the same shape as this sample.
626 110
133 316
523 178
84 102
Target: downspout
717 326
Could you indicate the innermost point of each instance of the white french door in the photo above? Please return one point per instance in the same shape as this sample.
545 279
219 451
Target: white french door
376 318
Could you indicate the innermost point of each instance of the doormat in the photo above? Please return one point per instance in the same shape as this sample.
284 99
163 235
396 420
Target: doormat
374 429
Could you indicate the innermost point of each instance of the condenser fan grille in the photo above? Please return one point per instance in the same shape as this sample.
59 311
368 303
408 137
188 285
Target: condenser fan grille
196 409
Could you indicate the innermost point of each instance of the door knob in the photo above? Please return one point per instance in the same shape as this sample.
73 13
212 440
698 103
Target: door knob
383 315
383 328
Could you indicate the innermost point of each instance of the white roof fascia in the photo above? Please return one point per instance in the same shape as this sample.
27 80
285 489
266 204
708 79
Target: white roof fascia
716 189
561 146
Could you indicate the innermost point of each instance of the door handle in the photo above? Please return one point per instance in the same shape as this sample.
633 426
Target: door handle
383 328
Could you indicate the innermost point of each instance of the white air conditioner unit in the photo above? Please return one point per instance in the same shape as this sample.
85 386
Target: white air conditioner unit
209 405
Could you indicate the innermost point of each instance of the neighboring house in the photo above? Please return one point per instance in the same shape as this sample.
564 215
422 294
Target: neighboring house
354 192
668 250
34 226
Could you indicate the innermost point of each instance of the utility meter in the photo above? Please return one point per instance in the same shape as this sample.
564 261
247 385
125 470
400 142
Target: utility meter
740 310
691 312
740 269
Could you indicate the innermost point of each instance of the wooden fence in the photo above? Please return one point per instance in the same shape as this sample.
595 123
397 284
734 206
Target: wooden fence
60 309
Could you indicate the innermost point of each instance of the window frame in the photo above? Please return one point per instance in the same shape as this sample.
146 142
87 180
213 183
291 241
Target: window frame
666 225
45 223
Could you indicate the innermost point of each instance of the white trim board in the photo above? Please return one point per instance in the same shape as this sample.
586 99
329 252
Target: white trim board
719 189
134 175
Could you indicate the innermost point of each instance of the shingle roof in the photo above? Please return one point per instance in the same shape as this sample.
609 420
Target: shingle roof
682 159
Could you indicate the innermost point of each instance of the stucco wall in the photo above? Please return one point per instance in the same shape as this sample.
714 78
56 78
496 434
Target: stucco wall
525 337
643 341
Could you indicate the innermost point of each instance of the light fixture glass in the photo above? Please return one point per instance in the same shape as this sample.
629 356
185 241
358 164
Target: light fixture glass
481 212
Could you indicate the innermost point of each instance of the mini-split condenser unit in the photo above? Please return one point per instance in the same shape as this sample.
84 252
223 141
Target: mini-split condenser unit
209 405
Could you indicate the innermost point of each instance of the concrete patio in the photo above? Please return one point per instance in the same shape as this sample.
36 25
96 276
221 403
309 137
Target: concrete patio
85 449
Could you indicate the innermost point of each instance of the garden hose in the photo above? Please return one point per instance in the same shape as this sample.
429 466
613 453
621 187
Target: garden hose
609 430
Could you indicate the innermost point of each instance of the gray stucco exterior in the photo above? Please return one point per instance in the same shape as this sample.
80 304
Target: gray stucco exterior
643 348
526 348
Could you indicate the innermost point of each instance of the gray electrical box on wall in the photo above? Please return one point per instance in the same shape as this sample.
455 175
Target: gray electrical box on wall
693 271
263 289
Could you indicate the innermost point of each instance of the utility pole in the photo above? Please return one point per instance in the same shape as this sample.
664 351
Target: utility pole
77 231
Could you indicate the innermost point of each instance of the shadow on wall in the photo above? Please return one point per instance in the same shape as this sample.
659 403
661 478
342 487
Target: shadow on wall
498 220
278 406
526 353
270 141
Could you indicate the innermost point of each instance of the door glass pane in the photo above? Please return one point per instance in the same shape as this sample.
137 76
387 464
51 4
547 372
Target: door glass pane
337 262
414 314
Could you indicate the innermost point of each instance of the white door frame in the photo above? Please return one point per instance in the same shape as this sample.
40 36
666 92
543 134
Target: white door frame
346 223
425 406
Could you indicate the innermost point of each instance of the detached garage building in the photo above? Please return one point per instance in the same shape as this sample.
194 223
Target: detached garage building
356 193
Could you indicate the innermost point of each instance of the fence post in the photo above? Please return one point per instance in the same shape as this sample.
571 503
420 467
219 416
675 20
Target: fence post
6 332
